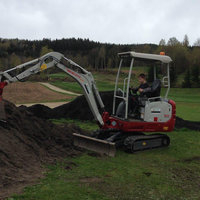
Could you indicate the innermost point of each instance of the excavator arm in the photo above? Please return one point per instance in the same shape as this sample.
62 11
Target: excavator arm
55 59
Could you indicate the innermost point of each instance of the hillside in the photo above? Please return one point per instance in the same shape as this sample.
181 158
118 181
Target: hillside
97 55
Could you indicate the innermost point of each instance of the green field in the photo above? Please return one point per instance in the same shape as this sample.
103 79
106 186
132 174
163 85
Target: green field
168 173
105 80
187 99
171 173
187 102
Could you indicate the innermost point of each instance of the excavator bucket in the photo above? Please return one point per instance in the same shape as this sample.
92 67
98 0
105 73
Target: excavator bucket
93 144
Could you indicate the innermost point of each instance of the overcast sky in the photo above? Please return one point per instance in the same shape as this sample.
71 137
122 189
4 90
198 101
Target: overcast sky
113 21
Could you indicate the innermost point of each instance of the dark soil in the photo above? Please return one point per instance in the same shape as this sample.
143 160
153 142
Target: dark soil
192 159
79 109
27 144
76 109
181 123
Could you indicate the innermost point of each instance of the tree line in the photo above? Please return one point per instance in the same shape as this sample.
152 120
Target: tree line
100 56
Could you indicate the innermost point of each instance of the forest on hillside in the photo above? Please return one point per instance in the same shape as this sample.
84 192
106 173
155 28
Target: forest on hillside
102 56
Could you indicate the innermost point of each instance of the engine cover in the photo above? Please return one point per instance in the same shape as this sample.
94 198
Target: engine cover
157 111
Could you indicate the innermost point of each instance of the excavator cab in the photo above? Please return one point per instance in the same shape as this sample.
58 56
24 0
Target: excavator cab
152 94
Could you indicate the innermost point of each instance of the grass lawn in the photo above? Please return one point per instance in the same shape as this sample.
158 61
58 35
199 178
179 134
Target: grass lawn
188 111
187 99
86 125
187 102
105 80
170 173
70 86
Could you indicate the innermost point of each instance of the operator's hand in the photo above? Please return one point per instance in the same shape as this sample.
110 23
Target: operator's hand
140 90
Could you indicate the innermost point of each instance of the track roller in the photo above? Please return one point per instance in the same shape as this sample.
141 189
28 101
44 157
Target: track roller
144 142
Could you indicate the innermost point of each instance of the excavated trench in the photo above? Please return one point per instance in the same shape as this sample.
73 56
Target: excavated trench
79 109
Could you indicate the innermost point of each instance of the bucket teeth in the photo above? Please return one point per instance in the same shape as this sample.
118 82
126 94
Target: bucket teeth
93 144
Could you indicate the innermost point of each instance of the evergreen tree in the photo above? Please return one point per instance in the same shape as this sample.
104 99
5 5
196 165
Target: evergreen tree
187 83
14 60
45 50
195 76
186 41
173 75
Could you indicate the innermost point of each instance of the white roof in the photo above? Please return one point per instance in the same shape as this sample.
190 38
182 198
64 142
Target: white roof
146 56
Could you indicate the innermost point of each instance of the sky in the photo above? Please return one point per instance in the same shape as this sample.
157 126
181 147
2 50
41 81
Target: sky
110 21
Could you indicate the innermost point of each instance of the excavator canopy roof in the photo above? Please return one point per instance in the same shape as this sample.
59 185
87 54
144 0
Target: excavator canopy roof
146 56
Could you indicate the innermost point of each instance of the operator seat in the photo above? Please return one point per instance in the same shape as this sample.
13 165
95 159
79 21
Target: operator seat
155 88
152 91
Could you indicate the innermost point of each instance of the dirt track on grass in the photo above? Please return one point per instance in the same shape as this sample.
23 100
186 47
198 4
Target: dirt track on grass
28 92
57 89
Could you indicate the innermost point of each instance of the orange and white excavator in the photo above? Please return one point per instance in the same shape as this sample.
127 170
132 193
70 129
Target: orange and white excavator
154 113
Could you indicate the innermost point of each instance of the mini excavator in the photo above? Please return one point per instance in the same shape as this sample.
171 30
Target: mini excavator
155 113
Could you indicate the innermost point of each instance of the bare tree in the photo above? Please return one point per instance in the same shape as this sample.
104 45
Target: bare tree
173 41
197 43
162 42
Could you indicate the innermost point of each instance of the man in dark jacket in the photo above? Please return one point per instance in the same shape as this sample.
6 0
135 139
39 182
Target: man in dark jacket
133 100
142 86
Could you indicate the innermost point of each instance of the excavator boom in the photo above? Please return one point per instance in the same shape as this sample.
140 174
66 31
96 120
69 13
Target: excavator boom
55 59
84 79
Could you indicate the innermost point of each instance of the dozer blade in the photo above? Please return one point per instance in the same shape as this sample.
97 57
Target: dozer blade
93 144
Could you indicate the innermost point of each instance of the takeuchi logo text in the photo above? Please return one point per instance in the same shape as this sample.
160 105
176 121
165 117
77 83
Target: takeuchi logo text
75 74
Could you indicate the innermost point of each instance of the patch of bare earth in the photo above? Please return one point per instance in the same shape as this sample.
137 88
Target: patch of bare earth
91 180
187 179
28 92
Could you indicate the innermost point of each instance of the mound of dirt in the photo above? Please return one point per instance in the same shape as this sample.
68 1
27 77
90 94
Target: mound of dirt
40 111
28 142
76 109
181 123
79 109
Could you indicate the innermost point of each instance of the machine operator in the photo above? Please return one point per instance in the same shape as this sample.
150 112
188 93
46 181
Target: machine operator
143 84
133 100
